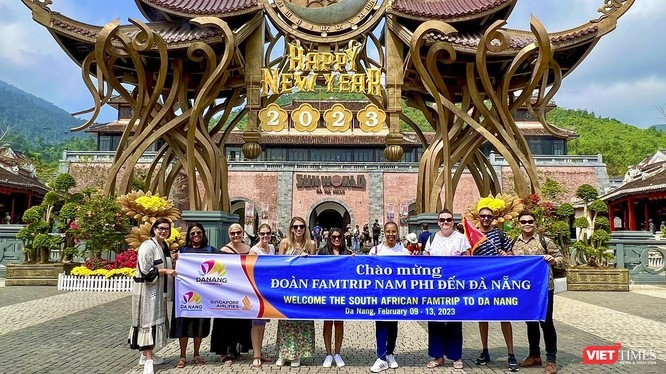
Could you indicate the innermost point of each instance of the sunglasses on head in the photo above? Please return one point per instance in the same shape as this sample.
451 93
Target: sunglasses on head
486 216
445 220
298 227
526 222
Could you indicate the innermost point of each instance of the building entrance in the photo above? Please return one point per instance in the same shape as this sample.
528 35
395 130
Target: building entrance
330 214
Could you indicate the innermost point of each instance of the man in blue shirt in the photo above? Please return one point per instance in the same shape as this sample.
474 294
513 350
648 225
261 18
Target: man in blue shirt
424 236
496 244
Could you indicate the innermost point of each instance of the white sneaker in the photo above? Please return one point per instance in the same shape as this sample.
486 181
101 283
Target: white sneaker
379 366
295 363
328 361
393 364
338 361
156 360
148 367
279 361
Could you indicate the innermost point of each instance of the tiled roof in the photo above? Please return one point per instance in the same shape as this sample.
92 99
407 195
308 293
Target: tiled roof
518 39
445 9
111 127
21 181
647 183
203 7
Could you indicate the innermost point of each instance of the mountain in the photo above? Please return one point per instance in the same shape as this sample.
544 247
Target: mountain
620 144
32 117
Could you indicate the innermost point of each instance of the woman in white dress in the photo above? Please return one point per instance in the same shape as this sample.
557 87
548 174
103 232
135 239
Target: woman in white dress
263 247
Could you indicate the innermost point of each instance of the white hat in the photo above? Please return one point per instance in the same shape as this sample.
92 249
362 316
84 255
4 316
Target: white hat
411 238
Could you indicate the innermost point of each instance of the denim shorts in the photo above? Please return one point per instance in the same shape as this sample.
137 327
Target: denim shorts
259 322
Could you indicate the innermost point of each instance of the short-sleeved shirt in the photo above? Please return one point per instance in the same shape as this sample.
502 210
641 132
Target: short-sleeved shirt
258 251
382 250
423 238
452 245
495 241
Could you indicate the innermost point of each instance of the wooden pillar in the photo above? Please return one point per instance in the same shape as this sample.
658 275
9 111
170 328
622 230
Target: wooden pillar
29 200
611 216
625 216
632 215
646 212
12 212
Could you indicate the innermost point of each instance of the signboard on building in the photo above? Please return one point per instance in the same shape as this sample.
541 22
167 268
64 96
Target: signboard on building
330 184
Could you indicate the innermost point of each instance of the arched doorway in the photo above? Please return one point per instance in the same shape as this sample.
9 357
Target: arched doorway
238 207
330 214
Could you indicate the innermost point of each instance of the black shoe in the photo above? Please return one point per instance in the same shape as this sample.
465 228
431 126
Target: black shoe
484 358
513 364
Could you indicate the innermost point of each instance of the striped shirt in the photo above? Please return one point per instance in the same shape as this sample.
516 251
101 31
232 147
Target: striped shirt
495 241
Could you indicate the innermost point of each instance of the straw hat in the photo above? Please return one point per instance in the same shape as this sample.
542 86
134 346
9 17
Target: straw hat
411 238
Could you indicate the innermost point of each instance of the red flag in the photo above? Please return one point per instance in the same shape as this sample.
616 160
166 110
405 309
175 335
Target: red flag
475 237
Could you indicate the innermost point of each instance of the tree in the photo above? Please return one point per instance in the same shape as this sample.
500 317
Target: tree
101 223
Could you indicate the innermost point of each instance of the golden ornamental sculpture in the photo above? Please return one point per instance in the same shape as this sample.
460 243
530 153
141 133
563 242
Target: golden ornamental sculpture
467 85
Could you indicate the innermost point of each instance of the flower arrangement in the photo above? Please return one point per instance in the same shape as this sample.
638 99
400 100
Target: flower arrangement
140 234
83 271
147 207
505 207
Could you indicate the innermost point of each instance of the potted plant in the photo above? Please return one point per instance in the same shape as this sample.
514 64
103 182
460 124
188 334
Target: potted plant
591 269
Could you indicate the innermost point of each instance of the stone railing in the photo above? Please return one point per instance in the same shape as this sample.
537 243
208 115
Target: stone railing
316 165
100 157
641 253
546 160
11 249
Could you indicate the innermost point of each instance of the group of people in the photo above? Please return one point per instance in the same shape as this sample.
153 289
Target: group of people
296 338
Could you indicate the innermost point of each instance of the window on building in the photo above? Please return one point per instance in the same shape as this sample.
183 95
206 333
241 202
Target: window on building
363 155
105 143
124 112
298 154
276 154
558 147
234 153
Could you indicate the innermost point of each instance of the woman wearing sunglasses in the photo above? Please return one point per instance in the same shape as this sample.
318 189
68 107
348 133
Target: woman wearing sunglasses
229 332
196 328
446 338
295 339
335 245
149 295
263 247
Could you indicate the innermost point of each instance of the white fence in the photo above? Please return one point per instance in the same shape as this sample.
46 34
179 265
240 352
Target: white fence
94 283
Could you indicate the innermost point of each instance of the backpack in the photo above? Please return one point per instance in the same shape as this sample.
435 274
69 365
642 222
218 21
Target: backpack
544 245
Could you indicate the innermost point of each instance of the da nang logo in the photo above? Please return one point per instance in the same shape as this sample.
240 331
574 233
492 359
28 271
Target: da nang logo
191 301
212 272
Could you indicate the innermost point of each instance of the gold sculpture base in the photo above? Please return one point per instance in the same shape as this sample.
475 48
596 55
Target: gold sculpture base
36 274
590 279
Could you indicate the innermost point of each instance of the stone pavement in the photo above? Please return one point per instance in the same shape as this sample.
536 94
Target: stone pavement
43 330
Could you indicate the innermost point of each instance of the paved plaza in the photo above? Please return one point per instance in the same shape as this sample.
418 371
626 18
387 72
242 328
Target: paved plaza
43 330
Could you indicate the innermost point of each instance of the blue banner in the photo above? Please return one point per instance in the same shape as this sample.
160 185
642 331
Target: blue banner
386 288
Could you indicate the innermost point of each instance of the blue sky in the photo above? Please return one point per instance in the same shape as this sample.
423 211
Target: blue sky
624 76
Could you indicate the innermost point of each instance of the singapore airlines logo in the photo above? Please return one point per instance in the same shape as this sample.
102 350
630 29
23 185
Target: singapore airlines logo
212 272
247 305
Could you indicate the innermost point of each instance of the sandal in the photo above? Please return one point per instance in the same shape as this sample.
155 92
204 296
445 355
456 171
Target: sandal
458 364
227 360
199 361
434 363
181 363
256 363
265 358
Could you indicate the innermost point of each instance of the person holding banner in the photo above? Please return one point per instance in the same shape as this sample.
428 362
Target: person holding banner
196 328
446 338
149 329
295 339
386 332
228 332
335 245
496 244
528 244
263 247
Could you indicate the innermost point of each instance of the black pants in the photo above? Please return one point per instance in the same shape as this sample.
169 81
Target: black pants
549 334
375 240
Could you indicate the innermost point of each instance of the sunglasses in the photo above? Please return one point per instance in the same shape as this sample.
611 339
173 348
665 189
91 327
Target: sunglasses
264 234
162 228
196 233
236 233
527 222
445 220
486 216
298 227
334 237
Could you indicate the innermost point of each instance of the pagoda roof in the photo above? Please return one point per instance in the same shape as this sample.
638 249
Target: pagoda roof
449 10
196 8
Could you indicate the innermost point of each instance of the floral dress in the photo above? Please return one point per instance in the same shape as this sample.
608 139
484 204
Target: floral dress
295 339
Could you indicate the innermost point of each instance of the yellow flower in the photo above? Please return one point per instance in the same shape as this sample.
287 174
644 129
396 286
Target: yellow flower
151 202
491 203
81 271
175 235
122 272
101 272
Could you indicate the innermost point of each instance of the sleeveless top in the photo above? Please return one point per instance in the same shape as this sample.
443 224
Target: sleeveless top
258 251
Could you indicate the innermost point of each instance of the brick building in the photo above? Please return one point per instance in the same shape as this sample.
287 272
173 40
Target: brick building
343 178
